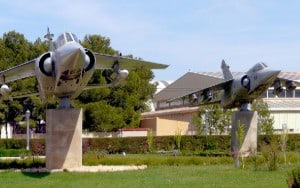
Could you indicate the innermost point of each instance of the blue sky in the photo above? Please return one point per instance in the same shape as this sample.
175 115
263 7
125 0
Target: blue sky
191 35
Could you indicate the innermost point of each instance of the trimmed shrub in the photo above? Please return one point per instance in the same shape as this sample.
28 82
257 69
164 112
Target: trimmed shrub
152 160
37 147
12 143
20 164
13 152
190 145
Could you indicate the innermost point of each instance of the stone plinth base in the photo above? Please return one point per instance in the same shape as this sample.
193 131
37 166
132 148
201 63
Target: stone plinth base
63 138
248 145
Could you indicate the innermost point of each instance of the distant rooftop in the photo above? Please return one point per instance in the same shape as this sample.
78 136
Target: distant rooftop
192 81
162 84
295 76
188 82
180 110
286 104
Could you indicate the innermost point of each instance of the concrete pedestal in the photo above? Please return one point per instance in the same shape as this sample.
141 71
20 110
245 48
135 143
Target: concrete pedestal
247 146
63 138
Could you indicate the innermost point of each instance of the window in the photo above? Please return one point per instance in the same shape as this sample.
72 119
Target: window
69 38
74 37
264 94
257 67
264 64
270 93
60 40
290 94
297 93
282 94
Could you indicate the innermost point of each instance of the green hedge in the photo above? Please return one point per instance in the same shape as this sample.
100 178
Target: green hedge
13 152
115 145
136 145
21 164
37 146
190 145
12 144
91 158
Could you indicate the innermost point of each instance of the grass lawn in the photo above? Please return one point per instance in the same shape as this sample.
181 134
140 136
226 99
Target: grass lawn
154 176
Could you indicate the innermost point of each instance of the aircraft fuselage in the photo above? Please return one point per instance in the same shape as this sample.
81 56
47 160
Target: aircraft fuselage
248 87
66 70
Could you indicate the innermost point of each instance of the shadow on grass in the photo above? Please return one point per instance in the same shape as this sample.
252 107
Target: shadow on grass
37 175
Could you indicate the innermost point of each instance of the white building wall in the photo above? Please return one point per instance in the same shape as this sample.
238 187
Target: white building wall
132 133
290 118
9 131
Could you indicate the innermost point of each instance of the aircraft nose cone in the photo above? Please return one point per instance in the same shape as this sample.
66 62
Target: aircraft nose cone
273 73
270 75
266 77
74 56
70 62
277 72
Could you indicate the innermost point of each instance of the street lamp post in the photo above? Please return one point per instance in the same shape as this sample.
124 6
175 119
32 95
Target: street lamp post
27 115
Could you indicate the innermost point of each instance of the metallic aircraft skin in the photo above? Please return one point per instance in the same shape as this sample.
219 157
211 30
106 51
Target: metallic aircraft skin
237 92
241 93
64 71
68 77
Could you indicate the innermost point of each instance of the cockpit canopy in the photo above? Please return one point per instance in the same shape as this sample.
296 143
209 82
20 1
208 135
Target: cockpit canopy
258 67
65 38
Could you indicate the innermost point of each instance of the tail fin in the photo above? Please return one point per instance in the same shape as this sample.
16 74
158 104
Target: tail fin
49 37
226 72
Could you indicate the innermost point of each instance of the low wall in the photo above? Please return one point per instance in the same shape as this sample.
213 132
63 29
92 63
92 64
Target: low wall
32 136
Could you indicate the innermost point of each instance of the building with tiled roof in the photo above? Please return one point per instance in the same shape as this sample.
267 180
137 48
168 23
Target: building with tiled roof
185 84
170 116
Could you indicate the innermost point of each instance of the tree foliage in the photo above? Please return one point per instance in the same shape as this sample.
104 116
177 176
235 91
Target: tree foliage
217 120
124 102
98 43
128 101
105 109
265 120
